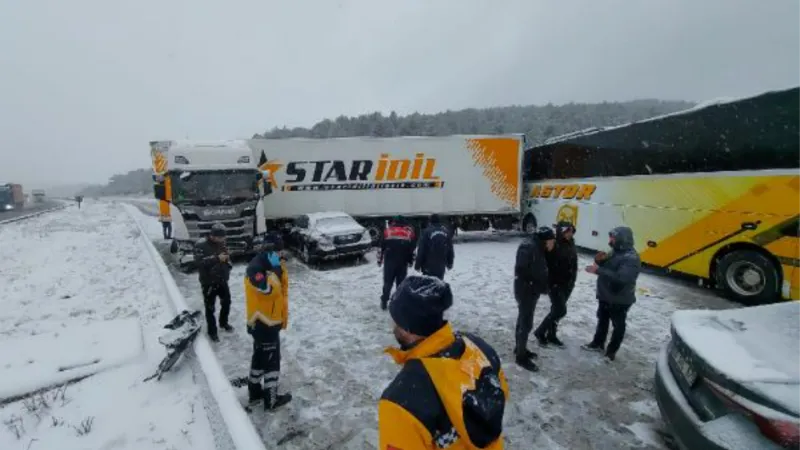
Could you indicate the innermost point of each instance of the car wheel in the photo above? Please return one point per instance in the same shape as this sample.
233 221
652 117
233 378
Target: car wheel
748 277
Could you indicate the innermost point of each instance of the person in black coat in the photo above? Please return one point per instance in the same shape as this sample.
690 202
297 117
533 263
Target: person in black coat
214 270
396 255
435 249
530 282
617 273
562 265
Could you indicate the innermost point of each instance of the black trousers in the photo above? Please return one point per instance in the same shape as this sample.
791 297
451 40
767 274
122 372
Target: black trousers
210 294
265 364
617 315
167 228
393 274
558 309
526 297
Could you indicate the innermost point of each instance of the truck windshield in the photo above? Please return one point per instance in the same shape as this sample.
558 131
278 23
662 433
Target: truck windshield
213 188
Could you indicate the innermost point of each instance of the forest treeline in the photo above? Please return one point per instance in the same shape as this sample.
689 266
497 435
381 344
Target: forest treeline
536 122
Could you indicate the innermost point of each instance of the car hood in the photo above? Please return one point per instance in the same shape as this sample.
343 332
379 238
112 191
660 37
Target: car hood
758 347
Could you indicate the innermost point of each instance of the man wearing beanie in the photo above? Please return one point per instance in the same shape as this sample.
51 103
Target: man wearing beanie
214 270
562 266
530 282
266 291
451 391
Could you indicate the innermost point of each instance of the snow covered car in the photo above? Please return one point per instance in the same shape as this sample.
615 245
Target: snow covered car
328 235
731 379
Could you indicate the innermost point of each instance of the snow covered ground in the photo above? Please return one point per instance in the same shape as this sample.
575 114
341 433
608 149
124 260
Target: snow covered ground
334 366
80 293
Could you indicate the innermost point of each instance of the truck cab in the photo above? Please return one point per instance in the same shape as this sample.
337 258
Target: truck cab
205 183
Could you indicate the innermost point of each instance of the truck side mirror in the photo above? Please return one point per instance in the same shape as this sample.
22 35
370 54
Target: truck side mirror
159 192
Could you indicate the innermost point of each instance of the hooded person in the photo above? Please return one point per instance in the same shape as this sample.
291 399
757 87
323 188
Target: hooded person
562 267
266 290
530 282
214 270
435 249
451 391
396 255
617 273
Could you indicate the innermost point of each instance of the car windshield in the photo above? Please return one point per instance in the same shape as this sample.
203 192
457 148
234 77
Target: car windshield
333 222
204 188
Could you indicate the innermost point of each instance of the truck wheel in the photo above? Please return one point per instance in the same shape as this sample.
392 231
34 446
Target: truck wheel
375 233
748 277
529 224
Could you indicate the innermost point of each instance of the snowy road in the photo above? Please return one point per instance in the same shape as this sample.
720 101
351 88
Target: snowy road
70 275
333 361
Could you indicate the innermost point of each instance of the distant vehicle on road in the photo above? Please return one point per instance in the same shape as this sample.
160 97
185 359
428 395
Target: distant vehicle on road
38 195
11 197
731 379
328 235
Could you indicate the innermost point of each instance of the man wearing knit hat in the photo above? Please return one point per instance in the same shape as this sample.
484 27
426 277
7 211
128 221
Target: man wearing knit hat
451 391
530 282
562 267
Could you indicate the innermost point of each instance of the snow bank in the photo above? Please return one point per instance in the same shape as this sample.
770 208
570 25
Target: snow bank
46 360
78 269
238 422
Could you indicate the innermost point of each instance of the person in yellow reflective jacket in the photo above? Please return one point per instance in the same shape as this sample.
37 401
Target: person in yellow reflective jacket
165 217
451 392
266 290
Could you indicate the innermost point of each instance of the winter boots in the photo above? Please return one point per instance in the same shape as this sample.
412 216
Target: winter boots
272 400
525 360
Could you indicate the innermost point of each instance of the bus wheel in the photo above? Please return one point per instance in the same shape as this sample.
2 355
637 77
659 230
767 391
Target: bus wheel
748 277
529 224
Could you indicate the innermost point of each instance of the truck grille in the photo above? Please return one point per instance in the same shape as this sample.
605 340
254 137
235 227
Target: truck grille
236 228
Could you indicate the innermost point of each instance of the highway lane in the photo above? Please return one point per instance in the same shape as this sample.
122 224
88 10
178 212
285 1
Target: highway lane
29 209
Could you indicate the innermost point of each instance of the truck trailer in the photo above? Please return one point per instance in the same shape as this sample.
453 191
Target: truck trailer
11 197
199 184
472 181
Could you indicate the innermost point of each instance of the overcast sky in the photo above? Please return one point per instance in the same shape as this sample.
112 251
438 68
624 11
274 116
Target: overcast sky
85 84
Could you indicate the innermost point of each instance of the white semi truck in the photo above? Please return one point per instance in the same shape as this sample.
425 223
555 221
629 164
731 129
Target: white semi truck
472 182
199 184
259 185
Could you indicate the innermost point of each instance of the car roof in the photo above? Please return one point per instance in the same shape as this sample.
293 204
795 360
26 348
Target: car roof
327 215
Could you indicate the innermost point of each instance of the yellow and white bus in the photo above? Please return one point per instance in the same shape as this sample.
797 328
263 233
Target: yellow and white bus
712 192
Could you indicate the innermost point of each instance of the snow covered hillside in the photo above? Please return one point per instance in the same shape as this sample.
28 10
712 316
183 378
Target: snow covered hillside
81 296
334 366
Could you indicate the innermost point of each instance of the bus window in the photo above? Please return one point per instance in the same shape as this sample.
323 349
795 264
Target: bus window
537 164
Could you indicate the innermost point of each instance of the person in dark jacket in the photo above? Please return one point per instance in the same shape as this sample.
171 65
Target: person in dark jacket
396 255
266 291
435 249
214 269
562 267
616 289
530 282
451 391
